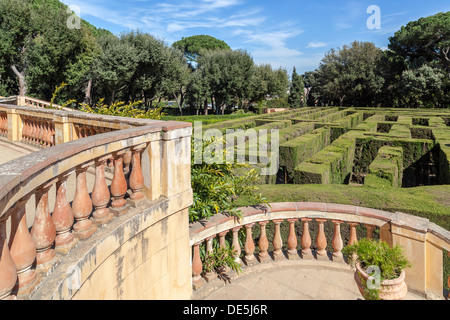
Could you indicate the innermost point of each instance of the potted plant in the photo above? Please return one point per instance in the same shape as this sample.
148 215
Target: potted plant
380 269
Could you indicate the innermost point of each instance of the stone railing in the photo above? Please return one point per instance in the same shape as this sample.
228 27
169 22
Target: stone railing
149 192
424 241
48 127
30 102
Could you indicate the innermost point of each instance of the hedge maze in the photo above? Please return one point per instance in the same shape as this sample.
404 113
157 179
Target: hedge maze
380 148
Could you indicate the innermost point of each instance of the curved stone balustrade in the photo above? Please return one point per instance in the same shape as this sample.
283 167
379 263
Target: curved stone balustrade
150 191
48 127
424 241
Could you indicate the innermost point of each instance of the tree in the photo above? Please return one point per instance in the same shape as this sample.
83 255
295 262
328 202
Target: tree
296 91
195 46
177 75
17 31
351 74
426 40
422 87
268 83
228 76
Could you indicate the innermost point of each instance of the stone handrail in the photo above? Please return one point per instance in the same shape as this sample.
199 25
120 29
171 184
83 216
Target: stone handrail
156 153
424 241
49 127
30 102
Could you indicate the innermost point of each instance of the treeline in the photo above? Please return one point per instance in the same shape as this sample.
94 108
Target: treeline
39 51
412 72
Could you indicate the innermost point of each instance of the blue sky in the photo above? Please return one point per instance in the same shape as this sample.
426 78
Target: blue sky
282 33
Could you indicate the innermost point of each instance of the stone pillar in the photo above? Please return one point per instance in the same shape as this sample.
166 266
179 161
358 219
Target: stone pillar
197 267
410 232
8 271
100 195
23 250
119 186
306 239
82 206
249 246
210 275
277 242
236 245
136 180
353 237
337 242
14 125
370 230
63 218
43 231
321 241
263 243
292 241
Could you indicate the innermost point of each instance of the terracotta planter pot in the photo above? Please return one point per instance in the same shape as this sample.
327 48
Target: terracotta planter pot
390 289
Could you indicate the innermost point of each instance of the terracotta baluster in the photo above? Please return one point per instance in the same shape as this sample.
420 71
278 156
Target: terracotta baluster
33 131
43 231
337 242
127 158
249 246
29 130
136 177
53 136
210 275
236 245
45 133
118 186
24 128
222 241
292 241
353 238
370 230
63 218
82 206
8 271
306 239
41 131
100 194
321 241
197 267
23 250
277 241
48 136
263 243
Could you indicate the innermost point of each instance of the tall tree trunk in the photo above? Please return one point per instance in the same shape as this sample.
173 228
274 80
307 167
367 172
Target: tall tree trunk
178 104
205 107
23 88
87 93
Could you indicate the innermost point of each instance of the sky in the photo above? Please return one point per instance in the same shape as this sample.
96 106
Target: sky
281 33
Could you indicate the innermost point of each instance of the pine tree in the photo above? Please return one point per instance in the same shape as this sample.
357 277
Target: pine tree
296 94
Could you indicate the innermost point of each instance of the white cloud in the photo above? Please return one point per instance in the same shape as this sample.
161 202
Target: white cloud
315 44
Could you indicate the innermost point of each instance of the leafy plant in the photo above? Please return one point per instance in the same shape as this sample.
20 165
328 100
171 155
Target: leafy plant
216 186
391 261
121 109
219 258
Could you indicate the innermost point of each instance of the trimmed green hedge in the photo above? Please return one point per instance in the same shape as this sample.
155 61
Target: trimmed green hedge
332 165
295 151
386 171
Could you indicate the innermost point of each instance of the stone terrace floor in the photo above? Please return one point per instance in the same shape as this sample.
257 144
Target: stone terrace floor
288 280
